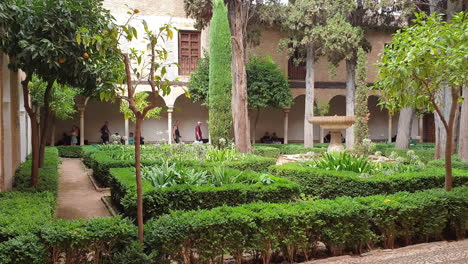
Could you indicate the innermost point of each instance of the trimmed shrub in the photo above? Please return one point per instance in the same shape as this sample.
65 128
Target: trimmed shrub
101 163
159 201
266 151
425 155
456 163
48 175
331 184
23 213
343 224
69 151
289 149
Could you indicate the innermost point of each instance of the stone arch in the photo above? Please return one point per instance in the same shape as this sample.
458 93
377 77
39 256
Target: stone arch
189 113
337 105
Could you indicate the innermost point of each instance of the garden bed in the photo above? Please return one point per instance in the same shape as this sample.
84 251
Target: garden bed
249 187
330 184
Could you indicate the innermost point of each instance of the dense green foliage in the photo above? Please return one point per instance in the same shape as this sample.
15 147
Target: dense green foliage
249 187
48 176
183 155
29 233
344 224
330 184
70 151
361 128
266 151
294 148
220 80
457 163
199 82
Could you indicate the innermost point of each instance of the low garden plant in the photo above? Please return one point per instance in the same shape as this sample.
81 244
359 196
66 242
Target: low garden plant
168 187
292 230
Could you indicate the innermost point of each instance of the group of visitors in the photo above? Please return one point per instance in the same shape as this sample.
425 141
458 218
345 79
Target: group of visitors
273 139
198 132
116 138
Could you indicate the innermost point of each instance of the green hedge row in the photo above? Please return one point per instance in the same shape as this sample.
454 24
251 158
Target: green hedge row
29 233
295 148
342 225
425 155
266 151
456 163
70 151
159 201
331 184
101 162
48 175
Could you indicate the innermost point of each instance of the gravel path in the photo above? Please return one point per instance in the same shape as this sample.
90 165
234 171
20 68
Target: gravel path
427 253
77 197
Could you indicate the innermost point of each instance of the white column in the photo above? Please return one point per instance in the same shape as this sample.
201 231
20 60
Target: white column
286 124
390 122
81 109
321 135
126 131
421 129
170 109
209 135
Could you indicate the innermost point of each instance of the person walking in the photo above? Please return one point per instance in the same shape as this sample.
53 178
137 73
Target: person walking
74 136
176 133
105 133
198 132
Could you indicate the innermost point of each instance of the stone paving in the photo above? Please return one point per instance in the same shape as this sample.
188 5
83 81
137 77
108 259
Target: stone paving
427 253
77 197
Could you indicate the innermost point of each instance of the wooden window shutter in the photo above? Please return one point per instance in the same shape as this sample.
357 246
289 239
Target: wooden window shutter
189 51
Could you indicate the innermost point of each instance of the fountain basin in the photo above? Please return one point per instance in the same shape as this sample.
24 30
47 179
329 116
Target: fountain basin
335 124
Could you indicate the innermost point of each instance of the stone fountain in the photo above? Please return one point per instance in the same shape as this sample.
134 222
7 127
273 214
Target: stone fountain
335 124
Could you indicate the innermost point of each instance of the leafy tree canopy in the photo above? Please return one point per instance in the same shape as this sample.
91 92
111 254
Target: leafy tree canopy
141 101
62 99
267 86
40 38
424 57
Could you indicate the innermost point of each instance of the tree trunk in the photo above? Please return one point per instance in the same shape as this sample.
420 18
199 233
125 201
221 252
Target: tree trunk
405 122
45 120
309 97
34 131
138 178
238 13
254 130
463 135
350 91
444 99
449 142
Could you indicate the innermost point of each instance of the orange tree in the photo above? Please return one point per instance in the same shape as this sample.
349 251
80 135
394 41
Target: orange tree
423 59
39 38
147 66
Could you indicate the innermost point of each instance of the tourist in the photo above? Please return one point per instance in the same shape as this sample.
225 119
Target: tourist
198 132
176 132
131 139
74 136
266 139
327 138
275 139
105 133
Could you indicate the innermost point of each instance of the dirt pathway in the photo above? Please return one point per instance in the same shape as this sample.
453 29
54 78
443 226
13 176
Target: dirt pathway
77 197
428 253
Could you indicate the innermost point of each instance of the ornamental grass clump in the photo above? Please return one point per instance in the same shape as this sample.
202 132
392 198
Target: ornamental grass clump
341 161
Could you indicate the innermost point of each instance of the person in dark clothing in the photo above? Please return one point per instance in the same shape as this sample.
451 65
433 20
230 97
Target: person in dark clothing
176 132
198 132
105 133
266 139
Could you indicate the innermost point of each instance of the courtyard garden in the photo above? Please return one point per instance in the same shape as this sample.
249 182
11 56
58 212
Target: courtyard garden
231 200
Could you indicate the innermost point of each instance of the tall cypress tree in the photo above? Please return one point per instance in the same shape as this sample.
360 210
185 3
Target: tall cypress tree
220 119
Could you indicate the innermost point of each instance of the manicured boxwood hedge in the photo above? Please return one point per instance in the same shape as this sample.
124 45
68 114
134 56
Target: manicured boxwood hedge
456 163
29 233
331 184
295 148
343 225
101 162
188 197
48 175
70 151
266 151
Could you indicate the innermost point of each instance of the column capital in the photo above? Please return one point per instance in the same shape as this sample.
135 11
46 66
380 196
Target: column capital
286 109
170 109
